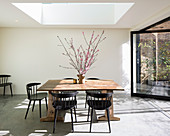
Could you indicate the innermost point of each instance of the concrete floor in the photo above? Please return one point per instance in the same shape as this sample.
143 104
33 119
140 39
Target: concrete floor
138 117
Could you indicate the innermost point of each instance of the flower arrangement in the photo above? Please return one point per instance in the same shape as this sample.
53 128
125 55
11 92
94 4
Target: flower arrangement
82 59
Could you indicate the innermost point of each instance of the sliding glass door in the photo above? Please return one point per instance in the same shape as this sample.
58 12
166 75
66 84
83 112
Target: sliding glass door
151 63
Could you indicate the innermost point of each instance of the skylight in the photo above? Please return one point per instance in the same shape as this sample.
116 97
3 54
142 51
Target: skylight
75 13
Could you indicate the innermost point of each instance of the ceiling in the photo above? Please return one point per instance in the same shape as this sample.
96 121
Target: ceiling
140 15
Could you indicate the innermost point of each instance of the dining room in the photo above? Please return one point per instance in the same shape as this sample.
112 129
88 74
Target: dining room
65 40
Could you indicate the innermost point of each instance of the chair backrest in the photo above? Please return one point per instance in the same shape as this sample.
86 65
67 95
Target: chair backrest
93 78
99 100
68 78
64 99
4 79
32 89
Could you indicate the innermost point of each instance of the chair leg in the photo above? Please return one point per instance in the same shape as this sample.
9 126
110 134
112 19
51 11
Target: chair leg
91 119
11 89
55 118
88 113
40 107
86 101
72 120
27 109
108 117
75 114
76 100
33 106
4 90
46 103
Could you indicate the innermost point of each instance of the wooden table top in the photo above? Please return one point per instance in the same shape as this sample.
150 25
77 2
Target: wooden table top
65 85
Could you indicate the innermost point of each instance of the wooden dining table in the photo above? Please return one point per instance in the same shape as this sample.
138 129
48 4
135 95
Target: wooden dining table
67 85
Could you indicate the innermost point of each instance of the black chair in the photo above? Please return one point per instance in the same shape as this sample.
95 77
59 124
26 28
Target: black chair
64 101
63 92
100 101
34 96
4 82
96 91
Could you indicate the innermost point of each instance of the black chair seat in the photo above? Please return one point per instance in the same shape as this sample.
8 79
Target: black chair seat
5 84
99 105
64 105
38 96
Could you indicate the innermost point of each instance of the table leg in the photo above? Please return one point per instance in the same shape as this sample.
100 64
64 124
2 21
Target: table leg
111 111
50 113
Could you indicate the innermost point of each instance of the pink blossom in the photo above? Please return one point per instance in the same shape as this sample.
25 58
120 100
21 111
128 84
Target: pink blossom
88 67
80 70
87 54
97 51
95 39
87 58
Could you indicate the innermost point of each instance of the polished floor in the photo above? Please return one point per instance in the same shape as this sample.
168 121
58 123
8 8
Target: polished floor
138 117
160 90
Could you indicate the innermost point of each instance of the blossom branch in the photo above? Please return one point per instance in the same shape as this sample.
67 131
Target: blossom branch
85 39
82 59
66 67
68 54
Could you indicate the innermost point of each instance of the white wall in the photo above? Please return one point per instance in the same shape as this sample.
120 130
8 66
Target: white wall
30 54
